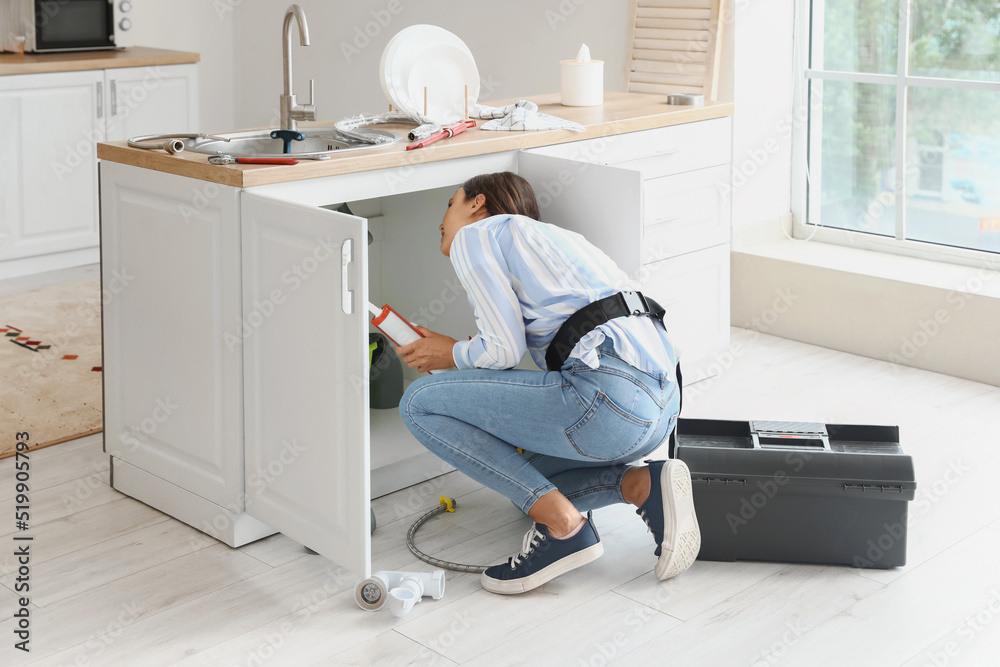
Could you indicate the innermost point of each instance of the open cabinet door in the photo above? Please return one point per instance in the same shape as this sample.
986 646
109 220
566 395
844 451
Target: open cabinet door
601 202
305 360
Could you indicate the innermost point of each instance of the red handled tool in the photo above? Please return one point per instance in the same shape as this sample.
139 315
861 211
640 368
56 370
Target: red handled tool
446 132
225 158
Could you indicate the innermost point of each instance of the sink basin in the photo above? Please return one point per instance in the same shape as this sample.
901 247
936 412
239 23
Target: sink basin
319 141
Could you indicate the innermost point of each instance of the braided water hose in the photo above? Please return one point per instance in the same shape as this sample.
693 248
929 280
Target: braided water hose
354 127
447 505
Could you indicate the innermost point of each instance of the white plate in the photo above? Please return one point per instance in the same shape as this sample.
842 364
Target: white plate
444 70
384 68
400 54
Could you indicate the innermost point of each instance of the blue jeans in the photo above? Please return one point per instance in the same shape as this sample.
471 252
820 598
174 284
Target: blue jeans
579 427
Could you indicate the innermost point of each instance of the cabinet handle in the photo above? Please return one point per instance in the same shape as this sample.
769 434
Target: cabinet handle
608 163
346 303
100 99
114 98
663 220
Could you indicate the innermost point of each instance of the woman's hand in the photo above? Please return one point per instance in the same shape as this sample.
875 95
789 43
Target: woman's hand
430 353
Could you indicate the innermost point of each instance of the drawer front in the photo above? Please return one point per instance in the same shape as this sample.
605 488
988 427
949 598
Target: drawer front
694 291
659 152
685 212
672 150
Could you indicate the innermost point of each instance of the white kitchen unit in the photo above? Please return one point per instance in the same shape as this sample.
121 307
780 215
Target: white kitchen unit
48 166
657 202
151 100
235 363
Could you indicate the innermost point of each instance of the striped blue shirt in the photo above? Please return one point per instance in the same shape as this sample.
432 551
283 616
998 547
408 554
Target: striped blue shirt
524 278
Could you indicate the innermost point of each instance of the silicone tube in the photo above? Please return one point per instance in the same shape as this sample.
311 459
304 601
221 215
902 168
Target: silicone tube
393 325
389 322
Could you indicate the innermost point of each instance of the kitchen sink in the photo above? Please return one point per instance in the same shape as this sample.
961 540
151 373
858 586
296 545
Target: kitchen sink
318 142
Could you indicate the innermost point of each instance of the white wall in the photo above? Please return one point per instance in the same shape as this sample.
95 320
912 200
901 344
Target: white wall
517 46
762 126
201 26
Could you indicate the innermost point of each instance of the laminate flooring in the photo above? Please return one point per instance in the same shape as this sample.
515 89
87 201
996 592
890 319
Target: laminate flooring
115 582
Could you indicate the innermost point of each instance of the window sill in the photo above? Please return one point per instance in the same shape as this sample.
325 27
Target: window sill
979 281
914 312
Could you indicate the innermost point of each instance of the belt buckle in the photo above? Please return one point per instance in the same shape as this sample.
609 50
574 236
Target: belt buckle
634 302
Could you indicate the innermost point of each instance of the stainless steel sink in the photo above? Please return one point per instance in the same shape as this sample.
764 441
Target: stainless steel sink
319 141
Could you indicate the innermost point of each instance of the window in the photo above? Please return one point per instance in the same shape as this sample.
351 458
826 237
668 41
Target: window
902 142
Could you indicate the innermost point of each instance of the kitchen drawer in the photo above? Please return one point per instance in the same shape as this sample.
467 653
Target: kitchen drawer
694 290
684 212
654 153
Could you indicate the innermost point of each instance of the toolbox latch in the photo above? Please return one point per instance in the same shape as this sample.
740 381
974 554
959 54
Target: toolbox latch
790 435
880 488
726 481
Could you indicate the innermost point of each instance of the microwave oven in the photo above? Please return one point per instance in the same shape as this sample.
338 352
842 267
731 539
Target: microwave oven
45 26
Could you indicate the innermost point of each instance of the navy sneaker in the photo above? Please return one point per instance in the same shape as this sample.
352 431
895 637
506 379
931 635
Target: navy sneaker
542 559
669 515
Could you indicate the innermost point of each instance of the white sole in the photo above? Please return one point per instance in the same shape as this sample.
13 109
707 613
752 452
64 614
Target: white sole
561 566
681 544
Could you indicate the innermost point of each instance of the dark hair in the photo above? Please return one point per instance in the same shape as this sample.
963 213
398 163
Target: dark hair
505 192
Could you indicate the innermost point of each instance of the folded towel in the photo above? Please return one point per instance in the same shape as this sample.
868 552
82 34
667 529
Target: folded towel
522 115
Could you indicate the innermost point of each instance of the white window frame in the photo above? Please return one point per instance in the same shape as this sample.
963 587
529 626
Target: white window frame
802 138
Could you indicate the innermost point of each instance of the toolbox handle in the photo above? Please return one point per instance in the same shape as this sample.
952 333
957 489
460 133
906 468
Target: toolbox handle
777 439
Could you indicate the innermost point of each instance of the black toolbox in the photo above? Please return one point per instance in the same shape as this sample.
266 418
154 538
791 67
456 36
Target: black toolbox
798 492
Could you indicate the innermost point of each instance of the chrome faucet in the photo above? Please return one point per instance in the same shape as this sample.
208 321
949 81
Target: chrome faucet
290 111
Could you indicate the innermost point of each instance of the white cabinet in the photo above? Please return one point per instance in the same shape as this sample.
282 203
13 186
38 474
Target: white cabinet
151 100
48 170
248 311
305 375
656 203
48 165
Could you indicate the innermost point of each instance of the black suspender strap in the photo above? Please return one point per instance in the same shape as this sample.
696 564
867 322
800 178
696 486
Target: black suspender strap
591 316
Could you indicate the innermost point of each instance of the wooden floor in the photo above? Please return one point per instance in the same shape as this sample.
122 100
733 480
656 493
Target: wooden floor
115 582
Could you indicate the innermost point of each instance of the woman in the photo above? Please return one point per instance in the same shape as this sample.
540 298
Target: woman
556 442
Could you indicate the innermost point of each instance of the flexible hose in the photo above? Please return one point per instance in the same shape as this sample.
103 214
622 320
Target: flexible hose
354 127
437 562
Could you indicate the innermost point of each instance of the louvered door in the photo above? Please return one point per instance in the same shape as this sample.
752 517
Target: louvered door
674 46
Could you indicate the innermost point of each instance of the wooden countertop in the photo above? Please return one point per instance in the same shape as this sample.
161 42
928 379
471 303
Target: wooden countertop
621 112
136 56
